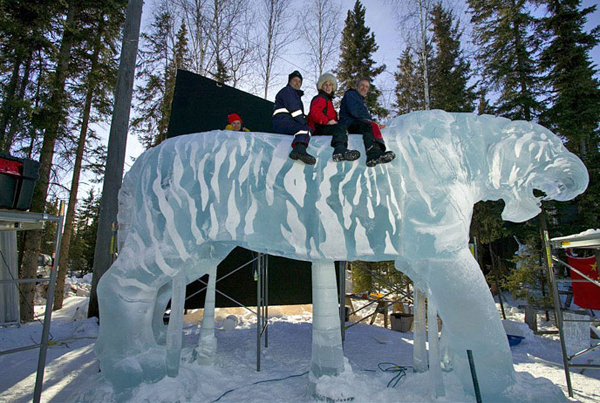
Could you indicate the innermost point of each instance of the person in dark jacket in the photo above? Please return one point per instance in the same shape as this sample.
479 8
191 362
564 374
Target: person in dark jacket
323 119
289 118
356 117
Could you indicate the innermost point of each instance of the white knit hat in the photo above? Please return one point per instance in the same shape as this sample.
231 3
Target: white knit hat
327 77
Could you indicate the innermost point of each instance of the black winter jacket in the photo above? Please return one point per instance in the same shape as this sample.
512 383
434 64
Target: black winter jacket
353 108
288 98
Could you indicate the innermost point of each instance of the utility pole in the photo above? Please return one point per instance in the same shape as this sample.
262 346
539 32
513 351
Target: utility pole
117 143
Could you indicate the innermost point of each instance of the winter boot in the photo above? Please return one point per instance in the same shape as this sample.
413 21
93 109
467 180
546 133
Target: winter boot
299 153
377 155
341 153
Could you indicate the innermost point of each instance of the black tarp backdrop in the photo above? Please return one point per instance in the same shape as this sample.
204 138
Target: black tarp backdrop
201 104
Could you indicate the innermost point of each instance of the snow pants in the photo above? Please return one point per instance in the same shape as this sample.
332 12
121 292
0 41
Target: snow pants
338 133
370 132
285 124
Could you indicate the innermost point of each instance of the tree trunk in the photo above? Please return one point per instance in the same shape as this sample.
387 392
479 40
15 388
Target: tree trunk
63 263
116 148
7 108
517 32
53 113
16 111
422 17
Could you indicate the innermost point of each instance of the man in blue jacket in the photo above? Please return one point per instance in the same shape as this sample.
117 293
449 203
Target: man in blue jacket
289 118
356 117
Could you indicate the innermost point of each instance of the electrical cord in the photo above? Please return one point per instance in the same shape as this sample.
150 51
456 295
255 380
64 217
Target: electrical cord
36 317
389 367
264 381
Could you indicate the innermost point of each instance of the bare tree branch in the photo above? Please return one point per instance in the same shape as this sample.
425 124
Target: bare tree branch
321 32
276 34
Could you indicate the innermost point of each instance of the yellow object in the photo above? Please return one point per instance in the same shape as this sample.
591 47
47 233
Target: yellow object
230 127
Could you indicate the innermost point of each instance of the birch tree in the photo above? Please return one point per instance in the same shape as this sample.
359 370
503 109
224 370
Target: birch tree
321 33
275 35
219 36
414 18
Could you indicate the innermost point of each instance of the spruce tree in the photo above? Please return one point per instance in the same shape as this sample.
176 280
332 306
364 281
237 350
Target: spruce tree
506 50
483 104
81 257
574 111
356 60
575 91
150 122
221 75
409 84
450 70
180 60
28 31
162 55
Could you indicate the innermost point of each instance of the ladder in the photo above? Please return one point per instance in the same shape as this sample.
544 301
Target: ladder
584 240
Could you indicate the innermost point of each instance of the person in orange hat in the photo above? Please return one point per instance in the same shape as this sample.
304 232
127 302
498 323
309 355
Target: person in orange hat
235 123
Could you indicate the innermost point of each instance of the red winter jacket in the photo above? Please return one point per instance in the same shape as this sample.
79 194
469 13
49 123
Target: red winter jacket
321 110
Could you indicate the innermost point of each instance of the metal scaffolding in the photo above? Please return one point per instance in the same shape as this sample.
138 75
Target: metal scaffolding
260 266
572 241
18 221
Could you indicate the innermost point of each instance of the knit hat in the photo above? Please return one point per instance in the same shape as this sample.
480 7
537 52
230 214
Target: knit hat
327 77
293 74
233 117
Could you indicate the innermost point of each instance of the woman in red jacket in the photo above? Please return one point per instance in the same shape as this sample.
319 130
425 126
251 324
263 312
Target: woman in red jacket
323 119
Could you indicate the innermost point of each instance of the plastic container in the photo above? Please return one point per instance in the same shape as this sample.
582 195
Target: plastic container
514 340
402 322
17 180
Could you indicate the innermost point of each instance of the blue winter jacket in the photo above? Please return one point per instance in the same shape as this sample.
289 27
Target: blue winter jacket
288 107
353 108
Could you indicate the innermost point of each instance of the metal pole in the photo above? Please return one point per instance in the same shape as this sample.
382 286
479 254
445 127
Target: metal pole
39 380
254 259
474 376
557 311
229 298
266 266
19 349
393 287
258 311
26 280
342 297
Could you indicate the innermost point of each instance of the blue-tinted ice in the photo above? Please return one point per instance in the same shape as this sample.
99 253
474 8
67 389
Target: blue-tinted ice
188 202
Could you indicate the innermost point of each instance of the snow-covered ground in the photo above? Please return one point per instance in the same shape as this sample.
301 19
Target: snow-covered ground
72 373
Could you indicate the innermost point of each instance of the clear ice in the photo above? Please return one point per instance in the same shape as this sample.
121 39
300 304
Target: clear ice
188 202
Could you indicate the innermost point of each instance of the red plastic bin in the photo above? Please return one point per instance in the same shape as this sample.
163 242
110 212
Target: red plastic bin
17 179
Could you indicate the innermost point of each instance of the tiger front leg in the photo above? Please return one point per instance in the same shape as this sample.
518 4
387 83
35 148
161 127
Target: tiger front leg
127 293
471 322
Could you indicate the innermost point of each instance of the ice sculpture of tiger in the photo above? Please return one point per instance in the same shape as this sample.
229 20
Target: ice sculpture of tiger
188 202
